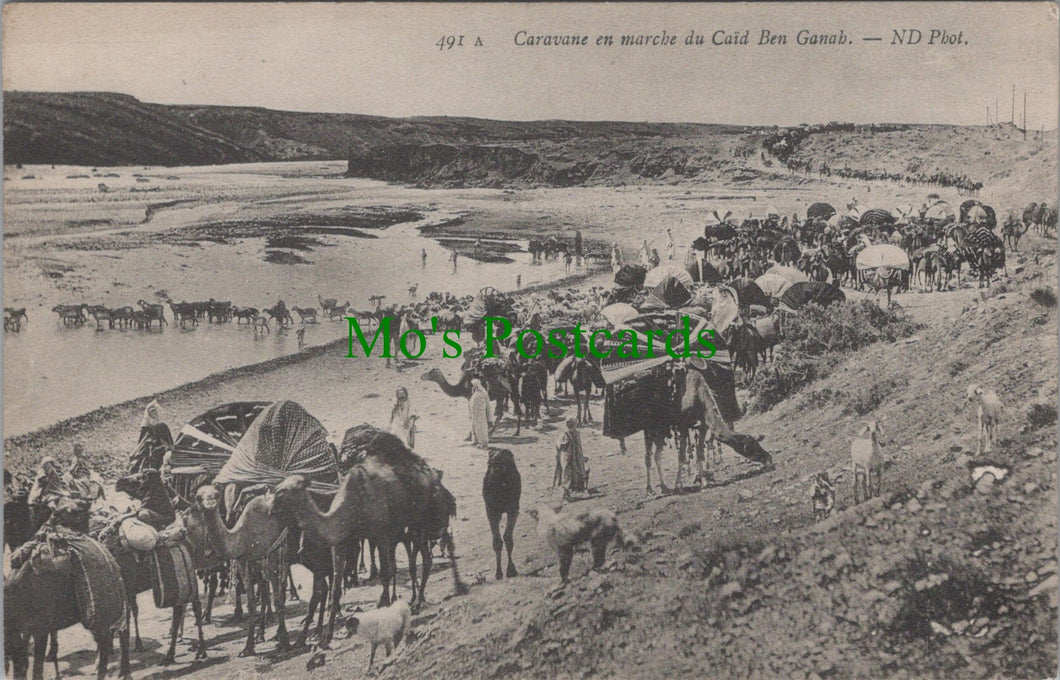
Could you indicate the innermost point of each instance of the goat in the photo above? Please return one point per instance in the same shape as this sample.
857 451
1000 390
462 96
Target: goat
990 408
385 627
563 532
865 456
823 495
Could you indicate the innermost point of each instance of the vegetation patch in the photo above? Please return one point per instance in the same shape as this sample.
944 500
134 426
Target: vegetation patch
817 339
1041 415
284 257
1044 296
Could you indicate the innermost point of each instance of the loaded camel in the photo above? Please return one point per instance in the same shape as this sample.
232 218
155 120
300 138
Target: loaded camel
584 374
693 406
157 510
40 600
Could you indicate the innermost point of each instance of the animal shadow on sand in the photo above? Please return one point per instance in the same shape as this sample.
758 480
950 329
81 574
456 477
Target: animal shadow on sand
181 670
739 476
512 439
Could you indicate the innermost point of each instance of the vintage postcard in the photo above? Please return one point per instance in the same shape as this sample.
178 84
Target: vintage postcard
530 340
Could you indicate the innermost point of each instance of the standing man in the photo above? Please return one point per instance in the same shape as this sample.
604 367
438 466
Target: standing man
578 254
669 245
423 258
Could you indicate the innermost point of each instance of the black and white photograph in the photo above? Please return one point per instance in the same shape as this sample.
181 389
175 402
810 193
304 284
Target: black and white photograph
530 340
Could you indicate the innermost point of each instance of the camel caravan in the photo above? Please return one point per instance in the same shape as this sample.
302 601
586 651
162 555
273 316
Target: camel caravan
247 489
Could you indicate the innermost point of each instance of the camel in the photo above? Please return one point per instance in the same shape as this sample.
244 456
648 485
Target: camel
533 383
494 379
16 314
744 342
247 314
184 312
694 407
147 487
388 496
280 314
71 314
310 552
371 503
306 315
256 545
153 312
884 279
1013 230
40 599
326 305
338 311
583 376
501 489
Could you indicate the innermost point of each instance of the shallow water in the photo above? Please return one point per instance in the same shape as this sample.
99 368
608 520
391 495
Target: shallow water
52 372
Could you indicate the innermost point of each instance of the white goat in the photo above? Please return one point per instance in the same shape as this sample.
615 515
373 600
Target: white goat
990 408
865 455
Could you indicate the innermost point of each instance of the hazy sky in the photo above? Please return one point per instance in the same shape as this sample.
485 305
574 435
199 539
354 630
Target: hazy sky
383 59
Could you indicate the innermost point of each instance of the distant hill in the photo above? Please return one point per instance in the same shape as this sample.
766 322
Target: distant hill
90 128
100 129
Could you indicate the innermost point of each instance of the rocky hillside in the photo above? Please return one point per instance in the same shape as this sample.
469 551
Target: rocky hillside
943 575
102 128
114 129
998 157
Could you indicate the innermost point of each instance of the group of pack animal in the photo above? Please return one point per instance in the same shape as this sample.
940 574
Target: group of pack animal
117 317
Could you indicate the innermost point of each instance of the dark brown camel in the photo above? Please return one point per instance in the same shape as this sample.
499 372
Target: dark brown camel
40 599
533 384
693 407
585 374
389 496
501 490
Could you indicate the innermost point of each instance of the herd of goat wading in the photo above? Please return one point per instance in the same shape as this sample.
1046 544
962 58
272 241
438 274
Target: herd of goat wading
239 498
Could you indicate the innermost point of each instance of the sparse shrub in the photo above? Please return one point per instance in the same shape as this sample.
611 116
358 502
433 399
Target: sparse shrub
866 398
821 398
818 339
948 592
1041 415
689 530
957 367
1044 296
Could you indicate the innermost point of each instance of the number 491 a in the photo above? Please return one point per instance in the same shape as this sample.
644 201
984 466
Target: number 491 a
448 42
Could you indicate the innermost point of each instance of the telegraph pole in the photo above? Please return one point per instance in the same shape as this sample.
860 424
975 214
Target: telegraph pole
1013 119
1025 114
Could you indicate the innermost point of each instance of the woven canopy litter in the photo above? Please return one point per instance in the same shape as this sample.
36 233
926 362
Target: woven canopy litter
283 440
